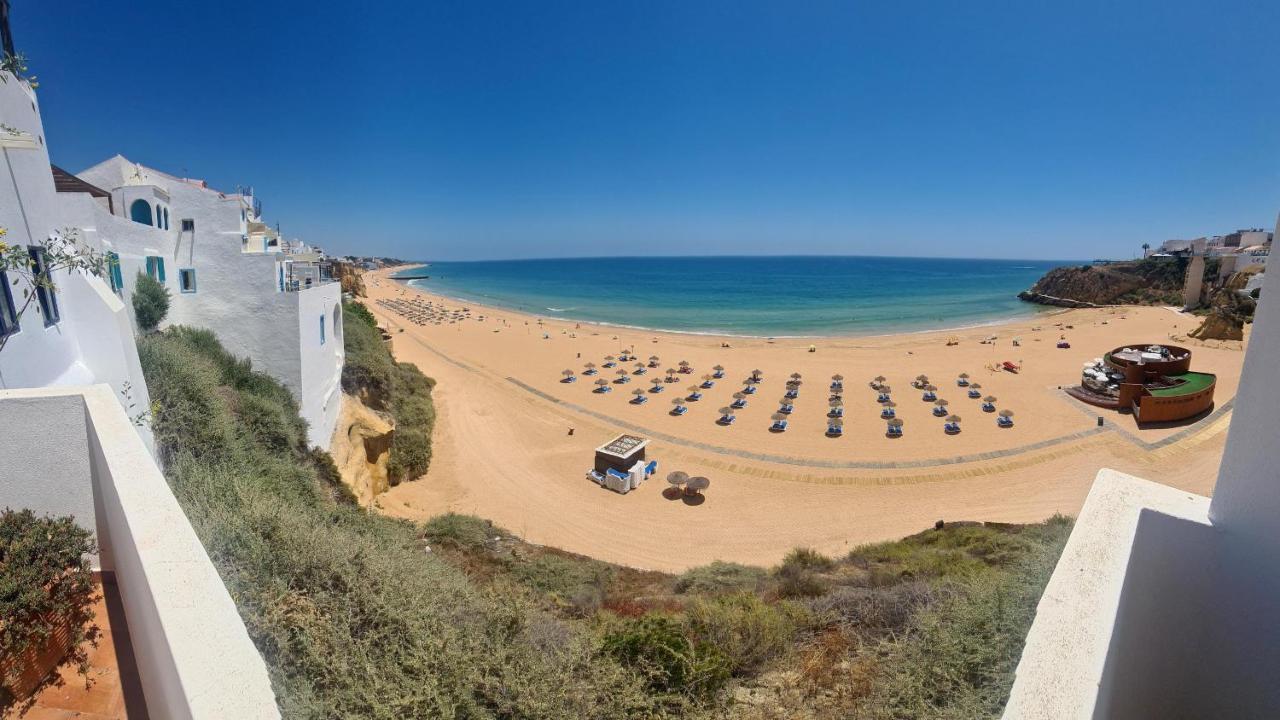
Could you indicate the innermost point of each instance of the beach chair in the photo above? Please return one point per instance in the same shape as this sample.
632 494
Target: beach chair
718 374
894 431
884 398
727 419
778 426
570 379
656 389
787 409
639 400
591 371
750 389
837 387
707 384
929 397
1004 422
651 468
962 382
834 431
793 394
738 404
951 428
939 412
975 394
604 389
679 410
596 477
694 396
887 413
988 407
836 413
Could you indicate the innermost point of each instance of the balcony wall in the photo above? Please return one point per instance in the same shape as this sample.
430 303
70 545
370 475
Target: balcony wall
73 450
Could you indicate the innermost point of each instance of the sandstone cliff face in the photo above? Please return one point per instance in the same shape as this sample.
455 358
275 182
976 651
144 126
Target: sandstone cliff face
361 447
351 278
1229 310
1152 281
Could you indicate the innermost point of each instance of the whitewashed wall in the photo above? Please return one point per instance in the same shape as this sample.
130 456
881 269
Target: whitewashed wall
93 341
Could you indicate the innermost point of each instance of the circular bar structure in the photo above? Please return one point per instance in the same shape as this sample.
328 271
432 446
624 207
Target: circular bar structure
1154 382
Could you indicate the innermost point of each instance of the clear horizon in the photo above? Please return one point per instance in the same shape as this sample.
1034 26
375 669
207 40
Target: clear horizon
462 131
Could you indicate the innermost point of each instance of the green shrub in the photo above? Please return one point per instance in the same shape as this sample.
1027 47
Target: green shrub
657 647
719 577
794 581
808 559
464 531
353 619
745 629
43 574
150 302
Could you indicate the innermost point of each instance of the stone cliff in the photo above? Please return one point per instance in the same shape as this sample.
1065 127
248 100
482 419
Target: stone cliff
1229 310
350 276
1151 281
361 448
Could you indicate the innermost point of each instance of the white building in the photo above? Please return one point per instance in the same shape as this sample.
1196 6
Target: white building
1166 604
227 271
68 446
81 334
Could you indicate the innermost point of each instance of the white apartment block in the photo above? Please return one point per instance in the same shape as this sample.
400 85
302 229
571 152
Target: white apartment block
1166 604
226 271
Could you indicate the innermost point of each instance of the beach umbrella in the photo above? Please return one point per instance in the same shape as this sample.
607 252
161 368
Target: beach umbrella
784 400
566 372
677 401
837 378
886 389
757 374
621 373
697 484
836 422
889 404
794 383
589 365
1006 413
835 403
989 399
708 377
922 377
602 382
953 418
639 365
896 422
964 376
880 379
638 392
693 389
726 411
778 417
609 358
739 395
653 361
718 368
931 388
671 374
940 402
656 381
677 479
975 386
796 376
684 363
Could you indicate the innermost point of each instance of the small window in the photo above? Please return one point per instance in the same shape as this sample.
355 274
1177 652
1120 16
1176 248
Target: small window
166 218
113 272
322 329
155 268
45 291
140 212
8 313
159 222
187 280
188 225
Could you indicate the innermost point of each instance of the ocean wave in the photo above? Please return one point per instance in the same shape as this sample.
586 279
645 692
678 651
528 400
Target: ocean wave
557 310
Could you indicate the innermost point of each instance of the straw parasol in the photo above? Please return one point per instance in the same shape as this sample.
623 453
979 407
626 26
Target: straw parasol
589 365
889 404
609 358
757 374
886 389
638 392
656 382
896 422
835 403
602 382
836 422
796 376
931 388
739 395
1005 413
975 386
942 402
677 479
989 399
880 378
697 484
567 373
684 363
953 418
693 389
677 401
837 378
708 378
718 368
638 366
964 376
671 374
653 360
620 373
778 417
726 411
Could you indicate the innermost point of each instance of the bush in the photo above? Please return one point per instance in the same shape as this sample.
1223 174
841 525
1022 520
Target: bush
794 581
46 585
808 559
745 629
719 577
463 531
150 302
657 647
353 619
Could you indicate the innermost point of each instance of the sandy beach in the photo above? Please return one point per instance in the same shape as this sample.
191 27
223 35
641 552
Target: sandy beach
512 441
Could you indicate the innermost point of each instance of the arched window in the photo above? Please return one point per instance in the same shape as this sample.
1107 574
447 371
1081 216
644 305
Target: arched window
166 218
140 212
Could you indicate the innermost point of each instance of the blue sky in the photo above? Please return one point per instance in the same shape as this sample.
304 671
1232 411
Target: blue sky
473 130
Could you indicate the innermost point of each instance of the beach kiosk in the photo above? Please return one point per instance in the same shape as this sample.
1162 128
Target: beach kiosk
620 464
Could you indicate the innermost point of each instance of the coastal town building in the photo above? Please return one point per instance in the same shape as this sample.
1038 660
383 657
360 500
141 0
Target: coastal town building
1164 603
266 299
75 442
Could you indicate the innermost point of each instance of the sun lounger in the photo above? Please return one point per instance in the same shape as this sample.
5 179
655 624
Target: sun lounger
604 389
895 432
738 404
640 400
887 413
835 430
988 407
694 396
571 378
939 411
749 390
707 385
975 393
836 412
779 426
727 419
595 476
787 409
680 410
1004 422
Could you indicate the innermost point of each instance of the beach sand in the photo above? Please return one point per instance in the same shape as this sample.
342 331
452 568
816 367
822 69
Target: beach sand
503 448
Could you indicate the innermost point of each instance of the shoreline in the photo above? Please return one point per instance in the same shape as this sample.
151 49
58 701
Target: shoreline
1043 311
503 449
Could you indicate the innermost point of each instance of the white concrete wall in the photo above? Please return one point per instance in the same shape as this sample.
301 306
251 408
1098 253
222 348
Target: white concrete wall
195 658
238 294
93 341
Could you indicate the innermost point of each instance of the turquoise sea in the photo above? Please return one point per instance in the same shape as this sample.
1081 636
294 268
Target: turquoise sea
757 296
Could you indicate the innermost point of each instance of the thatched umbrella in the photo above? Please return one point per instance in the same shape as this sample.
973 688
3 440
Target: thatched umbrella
953 418
836 422
567 373
989 399
964 376
638 366
671 374
707 378
796 376
778 417
684 364
653 361
657 383
835 403
718 368
602 382
975 386
941 402
756 375
889 404
931 388
677 479
886 389
1006 413
896 422
693 389
739 395
609 358
678 402
879 379
696 485
638 392
794 383
622 375
837 378
589 365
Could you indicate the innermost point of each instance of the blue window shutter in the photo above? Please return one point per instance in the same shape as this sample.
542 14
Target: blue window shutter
321 329
151 267
160 269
